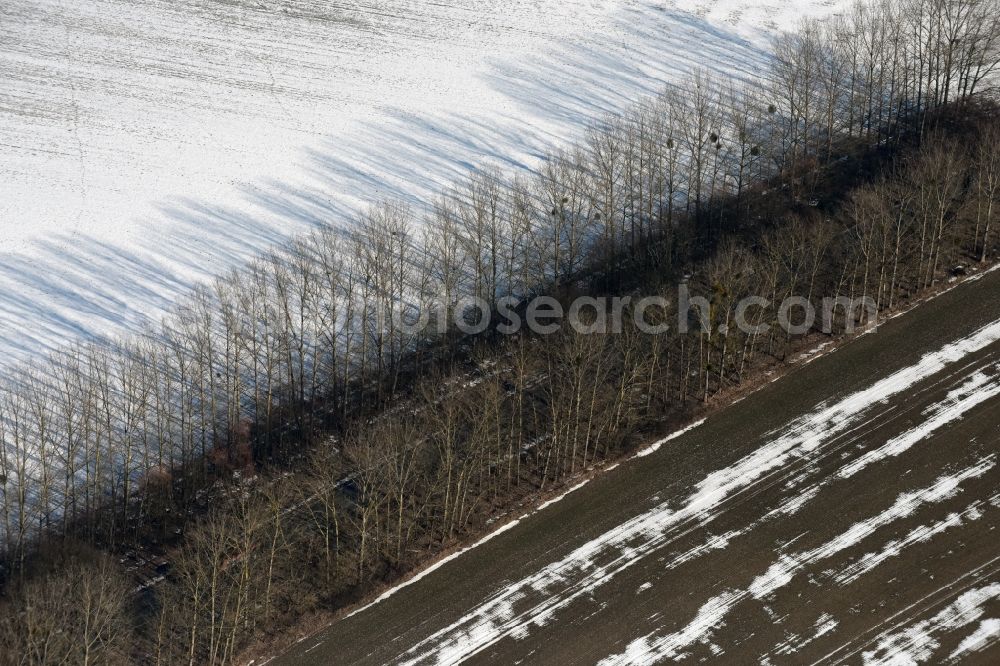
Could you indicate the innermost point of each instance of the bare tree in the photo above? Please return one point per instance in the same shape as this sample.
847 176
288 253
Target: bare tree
77 615
987 186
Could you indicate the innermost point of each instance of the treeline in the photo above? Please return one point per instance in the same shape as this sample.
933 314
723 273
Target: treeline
401 442
461 446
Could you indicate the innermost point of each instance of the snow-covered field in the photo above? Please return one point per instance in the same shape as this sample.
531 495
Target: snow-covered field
147 145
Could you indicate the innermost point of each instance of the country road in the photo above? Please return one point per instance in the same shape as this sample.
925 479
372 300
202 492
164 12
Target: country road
846 513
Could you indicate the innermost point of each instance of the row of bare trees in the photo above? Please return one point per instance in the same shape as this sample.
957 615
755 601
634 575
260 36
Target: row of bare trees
858 72
537 410
534 411
908 223
300 340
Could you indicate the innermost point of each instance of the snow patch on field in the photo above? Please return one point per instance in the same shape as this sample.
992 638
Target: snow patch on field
987 633
795 504
918 642
824 625
655 446
558 498
980 388
918 535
